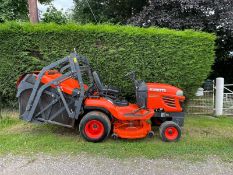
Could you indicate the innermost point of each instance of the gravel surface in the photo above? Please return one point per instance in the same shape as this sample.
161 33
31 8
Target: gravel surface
88 165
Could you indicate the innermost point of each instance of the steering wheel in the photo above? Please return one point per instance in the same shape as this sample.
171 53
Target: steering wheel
132 76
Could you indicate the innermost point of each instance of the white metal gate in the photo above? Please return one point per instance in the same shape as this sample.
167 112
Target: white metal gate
204 102
228 99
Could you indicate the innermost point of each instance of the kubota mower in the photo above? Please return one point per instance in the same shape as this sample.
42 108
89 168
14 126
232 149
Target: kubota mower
69 93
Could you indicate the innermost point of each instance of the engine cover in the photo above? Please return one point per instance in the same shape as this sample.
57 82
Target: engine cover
163 96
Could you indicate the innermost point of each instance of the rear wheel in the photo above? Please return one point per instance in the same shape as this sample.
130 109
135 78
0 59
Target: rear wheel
95 126
170 131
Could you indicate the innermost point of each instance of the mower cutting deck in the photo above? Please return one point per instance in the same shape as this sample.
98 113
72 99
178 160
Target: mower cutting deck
69 93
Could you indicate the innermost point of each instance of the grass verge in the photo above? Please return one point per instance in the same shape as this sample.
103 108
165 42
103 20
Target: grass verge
202 137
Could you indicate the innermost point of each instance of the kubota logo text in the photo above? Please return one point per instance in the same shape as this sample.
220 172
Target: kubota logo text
157 90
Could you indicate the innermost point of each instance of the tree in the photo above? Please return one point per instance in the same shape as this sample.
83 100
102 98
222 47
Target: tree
181 14
33 11
54 15
13 9
16 9
206 15
115 11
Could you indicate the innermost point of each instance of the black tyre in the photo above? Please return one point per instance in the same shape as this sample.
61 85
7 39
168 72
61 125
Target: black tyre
95 126
169 131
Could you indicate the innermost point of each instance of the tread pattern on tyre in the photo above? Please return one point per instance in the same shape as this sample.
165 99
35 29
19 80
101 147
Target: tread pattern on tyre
95 115
166 124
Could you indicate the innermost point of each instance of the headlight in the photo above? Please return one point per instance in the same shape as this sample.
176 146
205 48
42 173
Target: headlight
179 93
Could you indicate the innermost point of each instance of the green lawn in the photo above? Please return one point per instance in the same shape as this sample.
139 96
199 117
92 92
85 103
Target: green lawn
202 137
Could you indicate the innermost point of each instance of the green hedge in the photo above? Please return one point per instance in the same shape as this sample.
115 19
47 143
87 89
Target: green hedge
181 58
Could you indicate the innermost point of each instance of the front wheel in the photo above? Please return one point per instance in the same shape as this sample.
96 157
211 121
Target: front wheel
95 126
170 131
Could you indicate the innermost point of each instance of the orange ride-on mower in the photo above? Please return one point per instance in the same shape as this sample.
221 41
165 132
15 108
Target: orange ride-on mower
70 94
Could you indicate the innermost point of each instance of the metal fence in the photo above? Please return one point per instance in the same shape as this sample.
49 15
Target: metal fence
202 105
228 99
204 102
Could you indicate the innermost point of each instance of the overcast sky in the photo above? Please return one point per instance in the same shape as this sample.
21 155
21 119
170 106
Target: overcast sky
59 4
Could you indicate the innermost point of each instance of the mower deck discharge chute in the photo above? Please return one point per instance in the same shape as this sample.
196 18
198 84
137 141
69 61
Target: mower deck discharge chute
70 94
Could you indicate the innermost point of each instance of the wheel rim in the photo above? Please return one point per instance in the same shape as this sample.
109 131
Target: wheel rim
171 133
94 129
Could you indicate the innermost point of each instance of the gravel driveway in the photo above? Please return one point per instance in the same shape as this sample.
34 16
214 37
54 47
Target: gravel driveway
90 165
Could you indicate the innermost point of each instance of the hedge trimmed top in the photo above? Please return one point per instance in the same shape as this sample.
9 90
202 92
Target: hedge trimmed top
106 28
181 58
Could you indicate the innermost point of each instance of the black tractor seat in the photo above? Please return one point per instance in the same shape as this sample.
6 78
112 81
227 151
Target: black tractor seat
104 90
